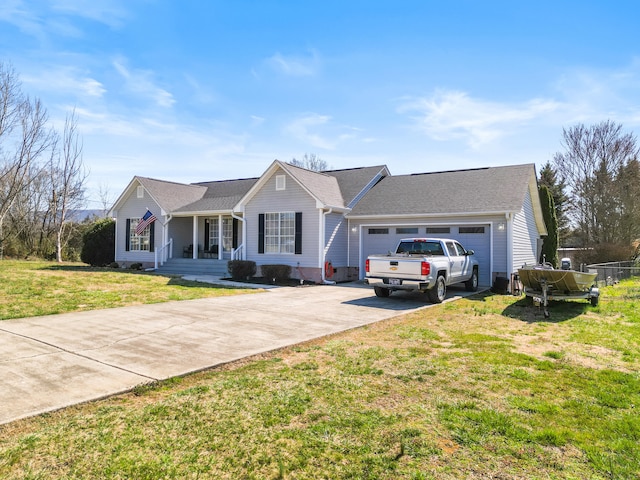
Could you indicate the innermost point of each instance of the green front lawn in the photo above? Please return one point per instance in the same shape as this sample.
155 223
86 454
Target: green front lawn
34 288
484 387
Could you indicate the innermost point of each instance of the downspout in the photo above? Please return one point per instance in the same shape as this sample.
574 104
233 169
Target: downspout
166 232
241 219
324 250
163 254
220 238
348 244
194 239
509 217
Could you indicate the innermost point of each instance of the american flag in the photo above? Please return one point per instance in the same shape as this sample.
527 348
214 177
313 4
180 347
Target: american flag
145 221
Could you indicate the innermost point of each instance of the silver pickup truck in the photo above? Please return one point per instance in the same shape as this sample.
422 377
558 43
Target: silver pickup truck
425 264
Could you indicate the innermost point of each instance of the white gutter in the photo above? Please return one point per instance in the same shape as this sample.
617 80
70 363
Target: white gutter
324 249
244 229
509 217
165 231
427 215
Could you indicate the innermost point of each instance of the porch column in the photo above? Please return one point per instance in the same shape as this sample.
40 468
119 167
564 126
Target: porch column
220 237
195 237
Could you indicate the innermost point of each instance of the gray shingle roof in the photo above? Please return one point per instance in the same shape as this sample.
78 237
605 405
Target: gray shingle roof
352 180
493 189
219 196
322 186
171 195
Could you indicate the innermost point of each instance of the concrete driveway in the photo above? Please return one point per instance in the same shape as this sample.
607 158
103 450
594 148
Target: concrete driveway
48 363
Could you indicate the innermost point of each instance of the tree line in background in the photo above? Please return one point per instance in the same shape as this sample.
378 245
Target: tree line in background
590 192
42 177
593 187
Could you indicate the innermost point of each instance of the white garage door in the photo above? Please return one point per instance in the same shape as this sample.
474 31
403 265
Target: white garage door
381 239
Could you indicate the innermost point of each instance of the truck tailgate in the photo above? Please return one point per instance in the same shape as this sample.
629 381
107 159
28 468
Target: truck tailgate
394 267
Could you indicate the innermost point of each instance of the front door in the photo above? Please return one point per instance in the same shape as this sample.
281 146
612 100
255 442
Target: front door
220 235
227 235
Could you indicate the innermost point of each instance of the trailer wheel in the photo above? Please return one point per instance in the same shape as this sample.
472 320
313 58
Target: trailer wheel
439 291
381 292
594 301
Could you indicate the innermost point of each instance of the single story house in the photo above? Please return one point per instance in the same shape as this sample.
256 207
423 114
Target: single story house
324 224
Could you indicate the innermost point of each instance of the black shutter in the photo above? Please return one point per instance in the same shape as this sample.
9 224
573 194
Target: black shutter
206 234
261 233
152 236
298 245
127 233
235 233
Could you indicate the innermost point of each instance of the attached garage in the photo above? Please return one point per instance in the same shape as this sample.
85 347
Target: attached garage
493 211
378 239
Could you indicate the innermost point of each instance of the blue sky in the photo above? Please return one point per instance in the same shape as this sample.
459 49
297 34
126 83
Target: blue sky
198 90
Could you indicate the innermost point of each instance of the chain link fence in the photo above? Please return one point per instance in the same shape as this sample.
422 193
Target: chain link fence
612 272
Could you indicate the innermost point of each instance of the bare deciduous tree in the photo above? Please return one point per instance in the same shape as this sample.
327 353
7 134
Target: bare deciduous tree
67 177
106 198
24 138
592 166
310 161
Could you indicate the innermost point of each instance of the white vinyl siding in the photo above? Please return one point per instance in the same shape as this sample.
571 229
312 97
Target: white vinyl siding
133 208
292 199
335 232
525 235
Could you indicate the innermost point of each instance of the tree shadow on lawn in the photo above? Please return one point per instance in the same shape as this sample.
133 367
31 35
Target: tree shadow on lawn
559 310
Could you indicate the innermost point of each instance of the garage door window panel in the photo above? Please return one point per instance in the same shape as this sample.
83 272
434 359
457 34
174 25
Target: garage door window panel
438 230
406 230
471 229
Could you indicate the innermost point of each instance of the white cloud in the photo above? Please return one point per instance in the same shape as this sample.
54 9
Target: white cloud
320 131
61 79
296 66
597 95
140 82
256 120
448 115
18 14
109 12
303 129
40 18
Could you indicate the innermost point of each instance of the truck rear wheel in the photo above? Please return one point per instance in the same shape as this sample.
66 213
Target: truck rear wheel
381 292
439 291
472 284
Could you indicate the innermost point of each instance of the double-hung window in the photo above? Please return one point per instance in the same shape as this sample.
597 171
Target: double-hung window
142 242
279 232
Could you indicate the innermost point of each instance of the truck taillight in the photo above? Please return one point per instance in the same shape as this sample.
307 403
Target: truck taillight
366 266
425 268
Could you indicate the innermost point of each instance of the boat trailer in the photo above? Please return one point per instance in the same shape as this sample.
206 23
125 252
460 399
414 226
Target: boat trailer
547 293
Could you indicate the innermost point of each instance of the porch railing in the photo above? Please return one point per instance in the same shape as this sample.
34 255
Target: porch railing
237 253
164 253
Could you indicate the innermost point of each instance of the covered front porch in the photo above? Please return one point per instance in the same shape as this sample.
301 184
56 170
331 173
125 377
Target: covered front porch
205 237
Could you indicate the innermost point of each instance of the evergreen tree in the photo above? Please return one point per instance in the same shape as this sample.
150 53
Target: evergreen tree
98 247
549 178
550 244
628 180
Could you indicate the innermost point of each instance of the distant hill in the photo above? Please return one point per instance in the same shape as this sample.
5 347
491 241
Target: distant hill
80 216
